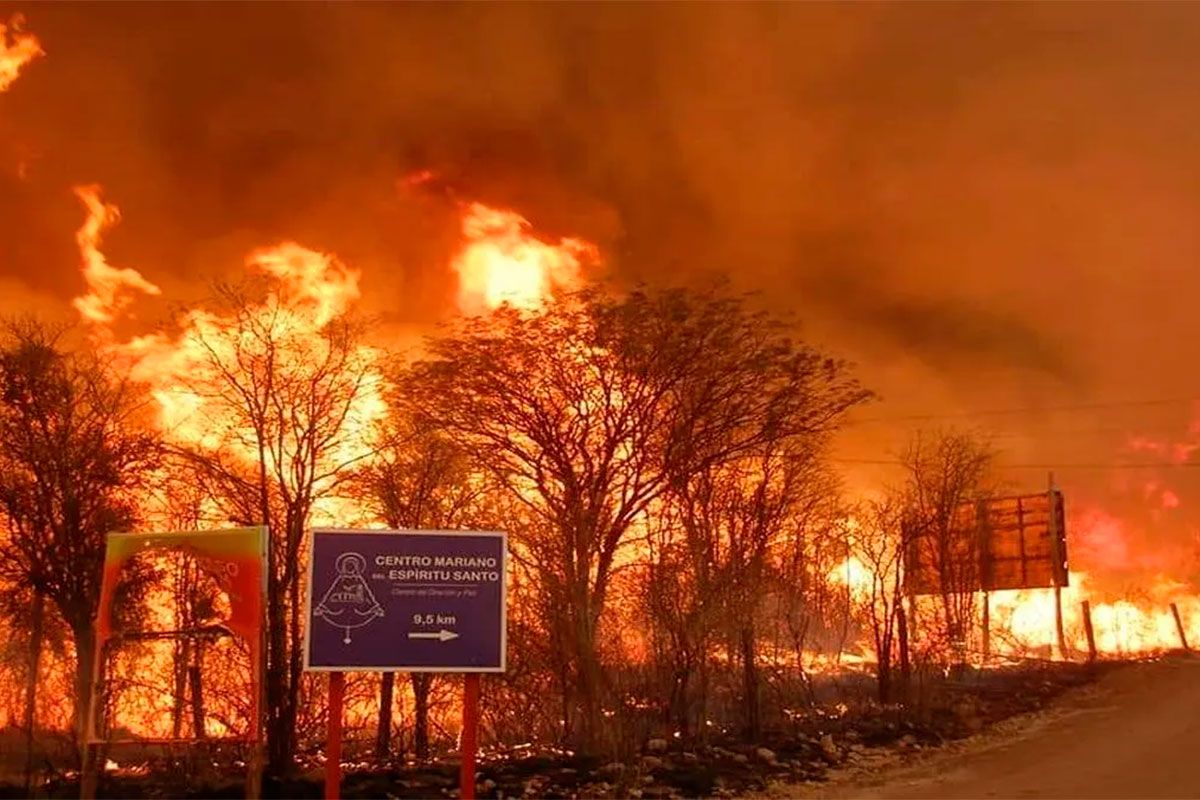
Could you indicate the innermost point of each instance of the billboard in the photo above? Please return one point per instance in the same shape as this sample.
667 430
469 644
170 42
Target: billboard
235 558
999 543
412 601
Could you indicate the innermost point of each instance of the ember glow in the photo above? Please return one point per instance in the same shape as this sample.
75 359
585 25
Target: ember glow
17 49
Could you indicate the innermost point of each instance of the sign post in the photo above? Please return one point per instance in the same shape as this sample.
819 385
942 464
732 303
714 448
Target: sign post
406 601
470 736
333 740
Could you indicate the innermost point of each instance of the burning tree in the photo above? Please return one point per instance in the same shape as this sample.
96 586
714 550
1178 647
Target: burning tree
876 548
271 397
74 453
419 479
945 473
714 562
589 408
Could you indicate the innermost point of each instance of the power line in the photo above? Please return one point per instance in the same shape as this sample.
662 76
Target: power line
1024 410
1116 465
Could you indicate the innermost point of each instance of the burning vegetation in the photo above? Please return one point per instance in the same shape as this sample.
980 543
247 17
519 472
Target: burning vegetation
690 568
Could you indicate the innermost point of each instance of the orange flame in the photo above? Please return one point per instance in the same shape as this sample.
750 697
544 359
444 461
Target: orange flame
304 292
1133 621
17 49
1130 626
307 290
502 262
105 298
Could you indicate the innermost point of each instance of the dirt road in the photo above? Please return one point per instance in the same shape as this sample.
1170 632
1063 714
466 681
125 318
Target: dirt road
1134 734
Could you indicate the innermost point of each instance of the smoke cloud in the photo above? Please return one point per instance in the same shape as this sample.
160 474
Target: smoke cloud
984 206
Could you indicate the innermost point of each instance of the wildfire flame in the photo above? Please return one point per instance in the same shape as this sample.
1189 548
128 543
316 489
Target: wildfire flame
502 262
106 284
301 293
1023 622
1026 619
17 49
306 291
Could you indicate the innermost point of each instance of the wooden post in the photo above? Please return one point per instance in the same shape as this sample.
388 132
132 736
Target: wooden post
1087 627
333 740
1060 637
470 736
987 627
1179 626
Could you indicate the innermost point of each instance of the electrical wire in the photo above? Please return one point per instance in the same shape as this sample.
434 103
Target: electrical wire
1055 467
1024 410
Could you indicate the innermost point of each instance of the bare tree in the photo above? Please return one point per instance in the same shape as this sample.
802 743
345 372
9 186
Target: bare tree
734 517
948 473
678 598
25 611
72 453
806 602
877 545
587 410
280 406
419 479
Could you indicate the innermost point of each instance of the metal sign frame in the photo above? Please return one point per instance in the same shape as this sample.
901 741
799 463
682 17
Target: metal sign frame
1022 534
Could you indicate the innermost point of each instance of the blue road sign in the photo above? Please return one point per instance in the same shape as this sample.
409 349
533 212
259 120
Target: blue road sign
419 601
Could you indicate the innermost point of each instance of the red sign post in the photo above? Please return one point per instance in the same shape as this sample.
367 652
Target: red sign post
470 736
406 601
333 740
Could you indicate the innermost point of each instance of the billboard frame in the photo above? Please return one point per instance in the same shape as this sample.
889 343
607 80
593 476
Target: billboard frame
440 533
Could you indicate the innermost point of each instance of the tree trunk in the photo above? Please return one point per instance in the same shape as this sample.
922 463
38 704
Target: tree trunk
196 683
679 700
588 692
422 682
179 690
278 757
566 696
85 643
295 665
383 729
905 663
750 685
884 676
31 684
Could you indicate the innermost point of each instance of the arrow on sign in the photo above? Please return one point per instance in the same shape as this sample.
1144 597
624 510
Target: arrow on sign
442 635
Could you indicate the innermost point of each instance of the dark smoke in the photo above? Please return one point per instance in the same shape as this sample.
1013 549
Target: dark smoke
984 205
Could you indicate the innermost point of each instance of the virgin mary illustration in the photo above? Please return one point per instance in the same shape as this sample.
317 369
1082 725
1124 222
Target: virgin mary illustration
349 602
